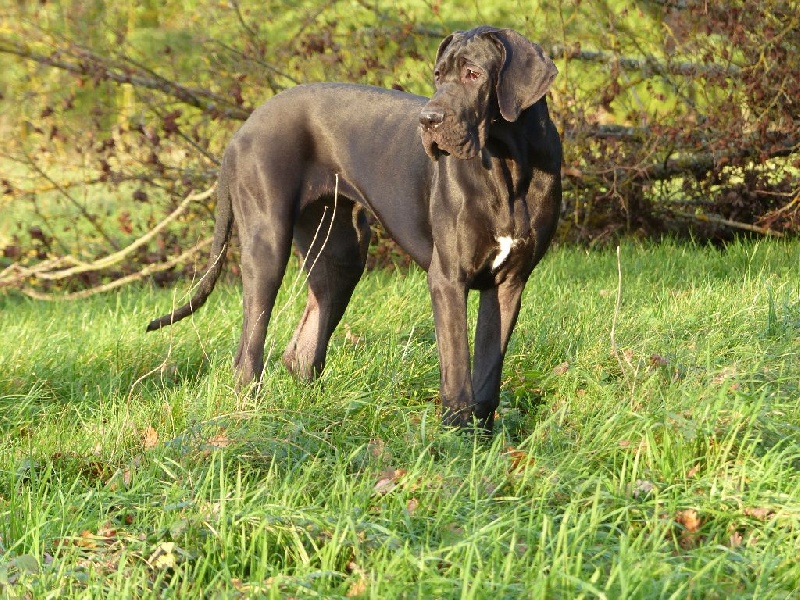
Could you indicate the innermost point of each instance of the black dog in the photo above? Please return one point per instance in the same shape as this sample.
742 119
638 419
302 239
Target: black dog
475 204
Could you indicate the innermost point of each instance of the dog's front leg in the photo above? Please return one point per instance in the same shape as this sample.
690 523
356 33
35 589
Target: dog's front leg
449 299
497 316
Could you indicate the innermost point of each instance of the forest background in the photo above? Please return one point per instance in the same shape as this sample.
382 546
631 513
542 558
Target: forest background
679 117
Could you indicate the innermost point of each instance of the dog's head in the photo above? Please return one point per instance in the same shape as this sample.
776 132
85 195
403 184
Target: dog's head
481 75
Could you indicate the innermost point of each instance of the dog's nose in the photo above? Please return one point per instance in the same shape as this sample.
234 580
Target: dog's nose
431 117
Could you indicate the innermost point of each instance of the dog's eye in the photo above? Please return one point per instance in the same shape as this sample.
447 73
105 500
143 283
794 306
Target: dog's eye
471 75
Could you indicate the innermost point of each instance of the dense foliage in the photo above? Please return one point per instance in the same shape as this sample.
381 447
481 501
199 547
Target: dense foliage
679 116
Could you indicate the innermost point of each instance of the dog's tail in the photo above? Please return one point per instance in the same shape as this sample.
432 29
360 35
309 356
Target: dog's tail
222 233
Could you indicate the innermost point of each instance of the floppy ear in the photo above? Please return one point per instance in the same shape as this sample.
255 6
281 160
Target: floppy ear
445 43
525 76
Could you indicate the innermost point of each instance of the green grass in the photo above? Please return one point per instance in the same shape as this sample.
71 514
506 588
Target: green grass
666 469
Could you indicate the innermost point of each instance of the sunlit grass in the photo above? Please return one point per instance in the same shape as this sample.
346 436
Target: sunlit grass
664 467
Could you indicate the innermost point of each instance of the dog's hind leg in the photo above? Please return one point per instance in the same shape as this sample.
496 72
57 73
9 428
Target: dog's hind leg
265 234
334 253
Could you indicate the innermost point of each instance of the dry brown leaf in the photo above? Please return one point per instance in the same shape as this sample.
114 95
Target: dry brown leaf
760 513
351 337
688 519
411 505
149 438
690 523
519 458
384 486
388 481
85 540
107 533
357 588
561 368
656 360
735 540
377 448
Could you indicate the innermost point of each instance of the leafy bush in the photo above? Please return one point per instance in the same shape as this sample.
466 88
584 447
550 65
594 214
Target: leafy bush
679 117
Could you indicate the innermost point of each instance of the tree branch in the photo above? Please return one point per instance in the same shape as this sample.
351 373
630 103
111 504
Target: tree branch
647 65
68 266
84 62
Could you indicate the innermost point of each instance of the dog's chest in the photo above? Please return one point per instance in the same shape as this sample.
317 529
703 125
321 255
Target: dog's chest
505 243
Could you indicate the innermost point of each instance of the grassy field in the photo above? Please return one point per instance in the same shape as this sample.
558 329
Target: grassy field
664 467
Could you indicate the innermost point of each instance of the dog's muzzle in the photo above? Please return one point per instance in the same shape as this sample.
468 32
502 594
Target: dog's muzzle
430 119
441 136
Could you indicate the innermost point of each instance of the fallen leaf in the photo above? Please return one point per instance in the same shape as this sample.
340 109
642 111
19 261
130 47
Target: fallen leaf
388 481
656 360
351 337
690 523
643 487
107 533
519 458
693 471
149 438
86 540
761 513
411 506
377 448
561 368
357 588
735 540
688 519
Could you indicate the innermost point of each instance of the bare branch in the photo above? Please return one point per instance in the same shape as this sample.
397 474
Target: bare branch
68 266
84 62
705 218
647 65
138 276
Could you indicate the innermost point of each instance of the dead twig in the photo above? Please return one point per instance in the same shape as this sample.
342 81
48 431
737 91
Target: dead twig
57 269
139 275
705 218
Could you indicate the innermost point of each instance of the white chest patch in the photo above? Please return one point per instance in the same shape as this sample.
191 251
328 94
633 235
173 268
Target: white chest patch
505 243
